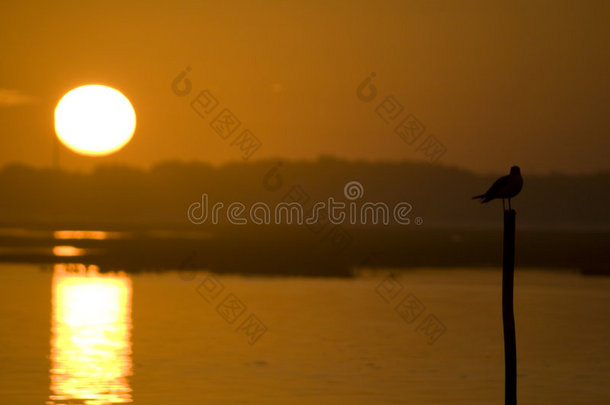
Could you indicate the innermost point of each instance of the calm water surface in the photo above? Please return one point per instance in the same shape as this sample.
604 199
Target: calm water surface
72 336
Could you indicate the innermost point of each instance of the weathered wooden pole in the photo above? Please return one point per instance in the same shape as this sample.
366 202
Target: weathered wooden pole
508 316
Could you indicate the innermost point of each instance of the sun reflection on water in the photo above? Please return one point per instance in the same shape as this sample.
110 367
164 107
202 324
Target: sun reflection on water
67 251
91 336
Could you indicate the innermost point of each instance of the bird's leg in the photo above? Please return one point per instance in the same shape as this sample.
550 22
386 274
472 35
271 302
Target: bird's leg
503 205
509 207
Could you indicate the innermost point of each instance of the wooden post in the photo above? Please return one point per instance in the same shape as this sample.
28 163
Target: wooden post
508 316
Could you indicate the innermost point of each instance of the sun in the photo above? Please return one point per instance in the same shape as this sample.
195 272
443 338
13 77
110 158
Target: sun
94 120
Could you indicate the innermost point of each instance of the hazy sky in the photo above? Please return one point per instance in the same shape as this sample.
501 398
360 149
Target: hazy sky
498 83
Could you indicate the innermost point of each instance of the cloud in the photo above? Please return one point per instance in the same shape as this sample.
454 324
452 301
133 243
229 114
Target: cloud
12 97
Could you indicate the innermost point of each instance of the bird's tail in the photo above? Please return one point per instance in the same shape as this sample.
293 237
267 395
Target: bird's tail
478 196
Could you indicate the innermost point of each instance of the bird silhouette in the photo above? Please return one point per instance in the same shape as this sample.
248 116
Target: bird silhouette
505 187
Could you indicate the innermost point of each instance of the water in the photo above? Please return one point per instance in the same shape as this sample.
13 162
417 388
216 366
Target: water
71 335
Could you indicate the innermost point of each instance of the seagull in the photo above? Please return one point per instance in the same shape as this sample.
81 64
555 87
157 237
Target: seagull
505 187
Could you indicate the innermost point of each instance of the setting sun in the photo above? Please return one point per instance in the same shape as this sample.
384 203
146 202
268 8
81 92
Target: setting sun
94 120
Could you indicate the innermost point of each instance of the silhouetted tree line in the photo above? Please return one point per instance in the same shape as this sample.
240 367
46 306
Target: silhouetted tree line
126 197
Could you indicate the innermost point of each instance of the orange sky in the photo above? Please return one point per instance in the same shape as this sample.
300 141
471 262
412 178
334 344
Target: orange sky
515 82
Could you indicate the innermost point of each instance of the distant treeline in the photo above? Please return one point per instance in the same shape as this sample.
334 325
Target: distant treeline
126 197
